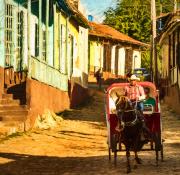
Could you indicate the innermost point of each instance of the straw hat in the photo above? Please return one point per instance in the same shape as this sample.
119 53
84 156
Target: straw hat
133 77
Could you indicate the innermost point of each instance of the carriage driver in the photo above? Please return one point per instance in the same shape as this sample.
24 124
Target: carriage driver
136 92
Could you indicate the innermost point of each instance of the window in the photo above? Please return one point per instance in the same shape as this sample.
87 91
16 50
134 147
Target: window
36 40
174 48
63 49
9 19
71 51
44 46
19 45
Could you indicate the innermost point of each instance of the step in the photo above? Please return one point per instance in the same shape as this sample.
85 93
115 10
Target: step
9 101
16 85
13 112
13 117
19 96
8 107
7 96
5 131
11 123
11 128
14 90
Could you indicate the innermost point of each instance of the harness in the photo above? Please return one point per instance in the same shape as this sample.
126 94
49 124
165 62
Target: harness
129 123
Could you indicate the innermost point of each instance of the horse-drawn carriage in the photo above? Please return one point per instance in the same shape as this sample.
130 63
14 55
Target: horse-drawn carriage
152 116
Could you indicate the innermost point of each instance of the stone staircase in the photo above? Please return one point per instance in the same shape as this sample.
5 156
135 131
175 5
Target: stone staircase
12 114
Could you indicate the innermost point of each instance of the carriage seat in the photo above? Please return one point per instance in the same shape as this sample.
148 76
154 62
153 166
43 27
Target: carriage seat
149 105
112 106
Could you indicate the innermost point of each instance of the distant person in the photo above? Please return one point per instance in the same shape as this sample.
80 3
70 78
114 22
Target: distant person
98 76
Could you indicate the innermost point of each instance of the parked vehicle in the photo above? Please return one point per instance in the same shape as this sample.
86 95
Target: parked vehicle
142 73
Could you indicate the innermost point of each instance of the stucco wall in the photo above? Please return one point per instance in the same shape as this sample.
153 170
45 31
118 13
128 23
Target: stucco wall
173 98
136 59
41 97
79 95
165 57
113 59
121 61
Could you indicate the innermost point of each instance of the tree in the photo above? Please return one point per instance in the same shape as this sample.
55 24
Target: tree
133 17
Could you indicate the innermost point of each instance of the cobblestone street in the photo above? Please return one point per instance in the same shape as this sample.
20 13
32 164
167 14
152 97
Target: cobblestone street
78 147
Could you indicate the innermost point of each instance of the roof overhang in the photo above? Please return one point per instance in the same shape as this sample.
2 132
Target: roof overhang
169 28
72 12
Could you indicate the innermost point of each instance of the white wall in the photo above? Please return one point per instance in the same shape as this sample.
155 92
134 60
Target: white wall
83 54
96 54
121 61
34 20
101 55
136 60
113 59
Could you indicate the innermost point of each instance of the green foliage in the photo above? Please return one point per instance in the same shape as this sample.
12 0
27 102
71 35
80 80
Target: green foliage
133 17
146 59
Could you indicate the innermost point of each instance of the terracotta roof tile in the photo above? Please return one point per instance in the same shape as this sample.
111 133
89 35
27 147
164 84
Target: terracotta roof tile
109 32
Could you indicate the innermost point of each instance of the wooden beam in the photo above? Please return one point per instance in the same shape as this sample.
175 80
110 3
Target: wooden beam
47 30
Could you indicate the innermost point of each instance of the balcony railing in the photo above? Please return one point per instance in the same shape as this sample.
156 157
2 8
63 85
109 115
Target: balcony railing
43 72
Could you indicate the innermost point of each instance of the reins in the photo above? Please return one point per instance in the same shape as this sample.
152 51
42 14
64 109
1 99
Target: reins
130 123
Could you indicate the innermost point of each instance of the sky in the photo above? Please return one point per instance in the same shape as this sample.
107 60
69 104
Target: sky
96 8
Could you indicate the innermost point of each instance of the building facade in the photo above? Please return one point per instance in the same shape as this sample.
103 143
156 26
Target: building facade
42 63
115 53
169 56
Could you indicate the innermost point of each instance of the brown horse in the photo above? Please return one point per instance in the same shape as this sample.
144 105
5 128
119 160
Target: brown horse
130 128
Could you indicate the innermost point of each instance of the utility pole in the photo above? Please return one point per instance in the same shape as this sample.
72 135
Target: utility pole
154 55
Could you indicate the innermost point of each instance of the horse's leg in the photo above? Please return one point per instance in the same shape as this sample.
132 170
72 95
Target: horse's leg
136 146
157 157
128 160
137 159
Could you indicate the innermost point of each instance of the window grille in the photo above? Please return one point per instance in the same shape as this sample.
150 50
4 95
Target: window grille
63 49
19 45
9 20
36 40
44 46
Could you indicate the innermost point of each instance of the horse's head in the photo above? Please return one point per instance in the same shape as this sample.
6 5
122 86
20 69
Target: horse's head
123 103
126 111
